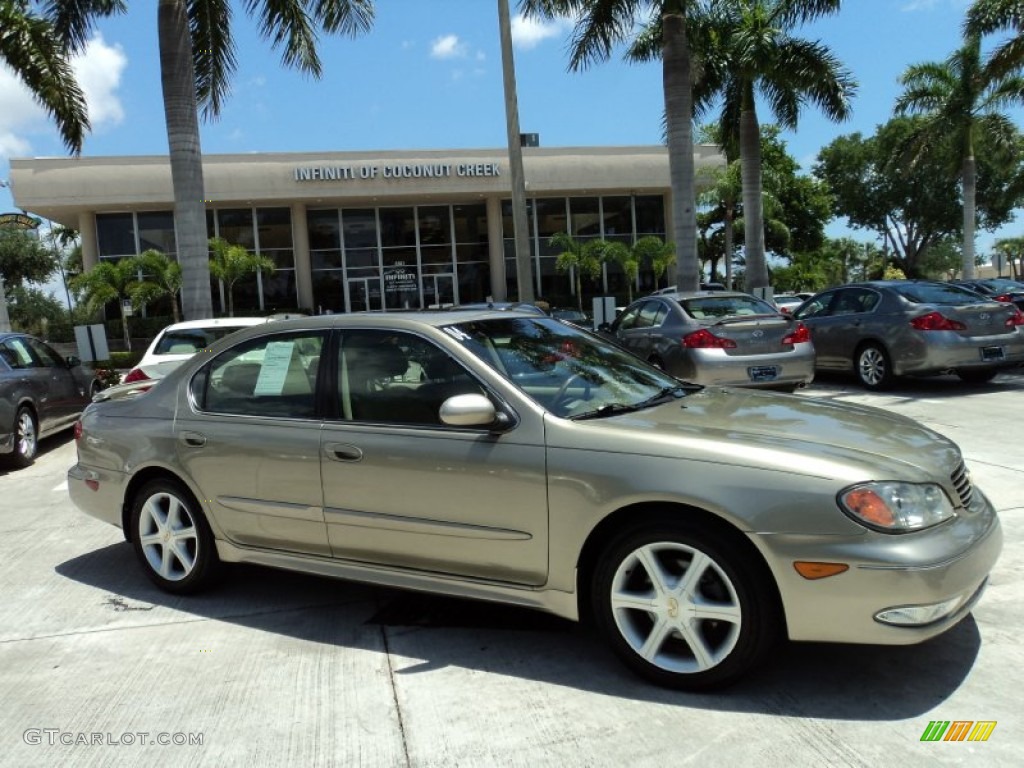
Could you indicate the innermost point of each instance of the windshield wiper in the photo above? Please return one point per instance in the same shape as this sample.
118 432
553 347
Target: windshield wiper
613 409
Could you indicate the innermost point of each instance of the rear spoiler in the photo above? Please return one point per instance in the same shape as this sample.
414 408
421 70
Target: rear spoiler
119 391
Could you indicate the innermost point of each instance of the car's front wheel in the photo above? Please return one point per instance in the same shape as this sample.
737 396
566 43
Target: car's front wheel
26 438
172 538
680 608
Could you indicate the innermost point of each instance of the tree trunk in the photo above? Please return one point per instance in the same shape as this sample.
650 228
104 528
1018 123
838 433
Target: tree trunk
174 308
677 83
524 267
730 213
970 189
178 80
124 326
753 212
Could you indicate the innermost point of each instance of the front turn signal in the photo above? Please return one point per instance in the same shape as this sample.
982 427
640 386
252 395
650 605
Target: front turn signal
812 571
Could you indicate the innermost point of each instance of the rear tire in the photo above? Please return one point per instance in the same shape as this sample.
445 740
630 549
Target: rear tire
873 368
172 539
681 607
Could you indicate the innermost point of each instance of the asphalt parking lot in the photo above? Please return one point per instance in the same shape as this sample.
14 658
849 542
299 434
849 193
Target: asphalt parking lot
277 669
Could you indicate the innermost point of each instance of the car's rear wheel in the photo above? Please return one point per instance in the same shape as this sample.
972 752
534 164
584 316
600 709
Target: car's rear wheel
977 375
172 539
873 367
680 608
26 438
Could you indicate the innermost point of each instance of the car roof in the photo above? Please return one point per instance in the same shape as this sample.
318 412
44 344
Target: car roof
698 294
216 322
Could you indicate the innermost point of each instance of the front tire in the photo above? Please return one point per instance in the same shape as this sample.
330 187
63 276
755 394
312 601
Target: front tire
873 367
680 608
172 539
26 439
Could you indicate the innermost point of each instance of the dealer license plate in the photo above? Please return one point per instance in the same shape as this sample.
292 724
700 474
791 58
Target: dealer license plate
993 353
763 372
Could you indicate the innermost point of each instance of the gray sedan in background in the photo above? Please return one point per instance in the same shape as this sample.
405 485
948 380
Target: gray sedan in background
718 337
41 393
884 329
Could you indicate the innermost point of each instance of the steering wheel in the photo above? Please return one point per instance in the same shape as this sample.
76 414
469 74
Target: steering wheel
562 393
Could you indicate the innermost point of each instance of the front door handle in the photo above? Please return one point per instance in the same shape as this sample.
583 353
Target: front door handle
193 439
343 452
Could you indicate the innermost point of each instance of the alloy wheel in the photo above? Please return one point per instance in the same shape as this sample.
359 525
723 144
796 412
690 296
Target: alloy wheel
168 536
26 437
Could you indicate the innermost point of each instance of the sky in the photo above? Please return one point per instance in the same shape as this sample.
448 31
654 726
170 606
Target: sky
428 76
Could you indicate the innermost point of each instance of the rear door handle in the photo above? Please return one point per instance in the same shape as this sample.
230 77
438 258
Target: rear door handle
193 439
343 452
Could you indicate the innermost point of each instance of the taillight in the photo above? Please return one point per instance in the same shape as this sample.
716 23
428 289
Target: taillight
705 339
78 430
1004 297
135 374
935 321
1016 319
798 335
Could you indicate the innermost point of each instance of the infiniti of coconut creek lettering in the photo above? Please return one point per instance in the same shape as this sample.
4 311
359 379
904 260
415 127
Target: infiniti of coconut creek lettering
407 171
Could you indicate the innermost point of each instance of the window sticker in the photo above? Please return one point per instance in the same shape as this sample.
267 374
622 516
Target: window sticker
456 333
275 368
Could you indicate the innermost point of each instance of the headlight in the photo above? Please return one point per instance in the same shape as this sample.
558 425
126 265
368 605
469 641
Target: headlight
896 507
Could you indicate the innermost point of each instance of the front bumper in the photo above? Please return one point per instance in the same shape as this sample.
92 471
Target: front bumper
947 564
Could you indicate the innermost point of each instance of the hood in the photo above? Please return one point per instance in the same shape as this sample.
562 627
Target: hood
798 435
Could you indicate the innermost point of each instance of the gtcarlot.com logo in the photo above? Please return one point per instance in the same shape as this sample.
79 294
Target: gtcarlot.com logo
54 736
958 730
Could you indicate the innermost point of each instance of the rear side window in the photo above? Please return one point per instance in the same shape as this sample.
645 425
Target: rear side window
269 376
938 293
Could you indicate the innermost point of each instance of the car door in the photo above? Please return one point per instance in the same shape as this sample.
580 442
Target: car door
249 437
826 330
403 489
634 328
31 380
65 394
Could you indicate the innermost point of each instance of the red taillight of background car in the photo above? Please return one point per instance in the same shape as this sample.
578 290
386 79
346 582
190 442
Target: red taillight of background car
705 339
78 430
935 321
1004 297
1016 319
798 335
135 374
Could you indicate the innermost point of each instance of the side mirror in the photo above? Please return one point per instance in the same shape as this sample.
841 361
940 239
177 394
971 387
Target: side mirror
471 411
604 328
72 361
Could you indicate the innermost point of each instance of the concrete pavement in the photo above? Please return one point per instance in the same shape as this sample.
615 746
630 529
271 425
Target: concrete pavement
277 669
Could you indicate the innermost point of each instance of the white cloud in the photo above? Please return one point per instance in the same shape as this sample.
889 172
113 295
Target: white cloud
98 71
447 47
529 33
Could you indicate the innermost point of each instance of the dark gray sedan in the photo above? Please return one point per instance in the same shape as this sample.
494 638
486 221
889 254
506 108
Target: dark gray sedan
40 393
884 329
718 337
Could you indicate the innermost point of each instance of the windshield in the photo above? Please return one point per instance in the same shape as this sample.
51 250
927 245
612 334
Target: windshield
725 306
567 370
188 341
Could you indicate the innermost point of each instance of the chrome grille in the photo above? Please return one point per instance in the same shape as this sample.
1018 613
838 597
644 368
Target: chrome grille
962 483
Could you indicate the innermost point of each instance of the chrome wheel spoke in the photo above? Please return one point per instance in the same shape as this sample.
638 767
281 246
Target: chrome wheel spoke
655 639
729 613
688 584
704 657
648 561
632 601
166 562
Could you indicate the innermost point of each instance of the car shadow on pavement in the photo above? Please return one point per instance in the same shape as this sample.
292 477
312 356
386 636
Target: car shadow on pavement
808 680
833 384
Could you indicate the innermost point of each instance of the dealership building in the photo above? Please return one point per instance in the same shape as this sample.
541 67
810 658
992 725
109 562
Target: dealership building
350 231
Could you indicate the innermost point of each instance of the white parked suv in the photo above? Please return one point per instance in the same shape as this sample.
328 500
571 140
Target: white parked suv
178 342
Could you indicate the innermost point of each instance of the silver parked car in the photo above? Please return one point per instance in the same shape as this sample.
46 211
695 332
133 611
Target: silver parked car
885 329
517 459
41 393
718 337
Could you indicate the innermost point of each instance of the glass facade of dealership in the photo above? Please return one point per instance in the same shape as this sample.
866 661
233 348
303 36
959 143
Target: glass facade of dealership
395 257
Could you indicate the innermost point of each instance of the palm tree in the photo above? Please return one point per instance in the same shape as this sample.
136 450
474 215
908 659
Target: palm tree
161 276
38 48
961 101
621 254
582 258
661 256
109 281
602 24
1012 249
746 50
231 263
197 59
985 17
